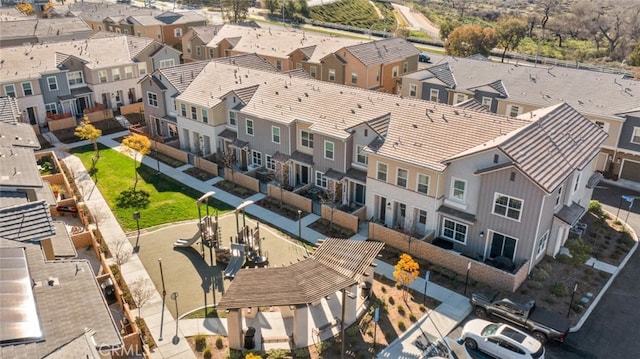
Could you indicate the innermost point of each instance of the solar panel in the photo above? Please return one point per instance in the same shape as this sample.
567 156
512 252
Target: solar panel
19 321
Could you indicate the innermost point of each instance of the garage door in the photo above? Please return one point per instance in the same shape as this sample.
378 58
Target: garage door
631 171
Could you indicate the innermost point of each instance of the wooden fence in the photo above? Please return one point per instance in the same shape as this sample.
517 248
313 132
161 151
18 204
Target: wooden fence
243 180
206 165
343 219
61 124
296 200
137 107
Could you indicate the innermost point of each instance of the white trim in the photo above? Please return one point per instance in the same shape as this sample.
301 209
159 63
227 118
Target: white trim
418 182
310 139
149 100
246 127
466 233
386 171
55 82
539 252
6 93
433 92
633 134
452 190
273 134
515 248
507 207
333 150
253 153
30 88
406 178
322 178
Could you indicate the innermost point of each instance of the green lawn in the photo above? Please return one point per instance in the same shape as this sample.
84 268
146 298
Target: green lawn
168 200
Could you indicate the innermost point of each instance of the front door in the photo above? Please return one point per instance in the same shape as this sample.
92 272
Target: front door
81 104
383 209
31 113
502 246
359 194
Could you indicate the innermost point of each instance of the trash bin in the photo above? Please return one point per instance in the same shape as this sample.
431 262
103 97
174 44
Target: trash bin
365 289
249 338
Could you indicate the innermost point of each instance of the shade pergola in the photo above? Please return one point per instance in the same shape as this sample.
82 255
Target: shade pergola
337 264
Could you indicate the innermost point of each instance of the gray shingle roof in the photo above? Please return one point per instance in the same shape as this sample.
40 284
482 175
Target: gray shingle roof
180 76
26 222
206 33
45 28
17 169
443 73
383 51
571 214
18 135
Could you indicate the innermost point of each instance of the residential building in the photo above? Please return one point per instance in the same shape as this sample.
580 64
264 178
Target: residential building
512 89
195 40
71 77
38 31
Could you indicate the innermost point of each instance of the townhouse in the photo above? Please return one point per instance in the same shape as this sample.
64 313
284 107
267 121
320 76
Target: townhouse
195 40
510 89
491 187
72 77
38 31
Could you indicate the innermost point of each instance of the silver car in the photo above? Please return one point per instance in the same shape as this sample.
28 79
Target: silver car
500 340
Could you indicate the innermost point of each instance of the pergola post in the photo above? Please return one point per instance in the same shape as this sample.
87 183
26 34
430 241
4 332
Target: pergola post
351 305
234 328
301 333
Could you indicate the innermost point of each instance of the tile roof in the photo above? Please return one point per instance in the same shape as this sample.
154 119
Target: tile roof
26 222
180 76
44 28
383 51
473 105
100 11
136 44
206 33
9 110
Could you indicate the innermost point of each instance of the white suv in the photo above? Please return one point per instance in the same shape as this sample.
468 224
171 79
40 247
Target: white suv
500 340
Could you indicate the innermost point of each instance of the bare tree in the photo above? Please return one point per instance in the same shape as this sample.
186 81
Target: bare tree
547 8
280 176
229 161
121 251
328 198
141 291
611 26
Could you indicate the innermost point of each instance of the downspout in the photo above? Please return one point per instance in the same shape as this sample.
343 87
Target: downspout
435 203
535 239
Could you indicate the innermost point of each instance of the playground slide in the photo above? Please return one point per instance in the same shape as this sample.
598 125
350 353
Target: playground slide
236 262
182 243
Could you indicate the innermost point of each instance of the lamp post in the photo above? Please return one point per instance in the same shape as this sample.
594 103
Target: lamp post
300 225
426 281
164 295
466 279
629 199
174 296
136 216
575 289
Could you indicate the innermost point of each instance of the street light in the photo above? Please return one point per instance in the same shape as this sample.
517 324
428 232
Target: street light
466 280
136 216
164 295
300 225
426 281
174 296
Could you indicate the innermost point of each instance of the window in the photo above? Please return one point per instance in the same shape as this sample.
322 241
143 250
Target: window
298 66
51 108
635 137
306 139
354 77
332 75
279 65
177 32
378 76
422 216
142 68
361 157
542 244
198 51
382 171
433 95
152 99
233 118
26 88
506 206
321 180
312 71
559 198
275 134
486 102
458 189
328 150
10 90
205 115
138 33
502 246
194 113
514 110
128 72
53 83
75 78
461 98
256 158
401 177
413 90
394 71
166 63
423 183
405 67
115 74
454 231
102 76
577 183
271 164
249 127
183 110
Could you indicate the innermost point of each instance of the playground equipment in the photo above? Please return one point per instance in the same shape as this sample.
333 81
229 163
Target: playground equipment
236 262
207 231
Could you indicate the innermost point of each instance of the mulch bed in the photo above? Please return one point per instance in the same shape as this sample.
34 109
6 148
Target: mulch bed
199 174
234 189
331 230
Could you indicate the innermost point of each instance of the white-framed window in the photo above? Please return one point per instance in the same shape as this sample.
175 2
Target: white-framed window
279 65
507 206
354 78
486 102
405 67
270 163
152 99
401 177
194 113
188 48
576 183
433 95
422 216
298 66
249 128
142 68
332 75
27 89
559 197
167 63
503 246
413 90
233 118
52 82
361 156
312 71
635 136
328 150
115 74
461 97
256 158
458 189
542 244
10 90
51 108
128 72
306 139
382 171
102 76
394 71
75 78
275 134
205 115
422 183
514 110
454 230
177 32
321 180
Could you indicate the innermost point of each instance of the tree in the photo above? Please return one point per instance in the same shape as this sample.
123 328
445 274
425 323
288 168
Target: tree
87 131
25 8
281 176
121 251
406 271
134 145
447 27
471 39
237 10
547 8
329 197
141 291
510 31
634 58
304 8
272 6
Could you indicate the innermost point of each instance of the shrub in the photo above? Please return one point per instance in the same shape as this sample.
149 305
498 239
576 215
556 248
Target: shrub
277 354
551 299
301 353
422 308
577 307
392 301
219 343
596 208
539 274
383 289
207 353
547 267
401 310
252 356
559 289
353 330
412 318
401 326
200 342
534 285
323 346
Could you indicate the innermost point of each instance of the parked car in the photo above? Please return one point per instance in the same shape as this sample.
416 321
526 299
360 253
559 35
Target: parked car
423 57
500 340
542 323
